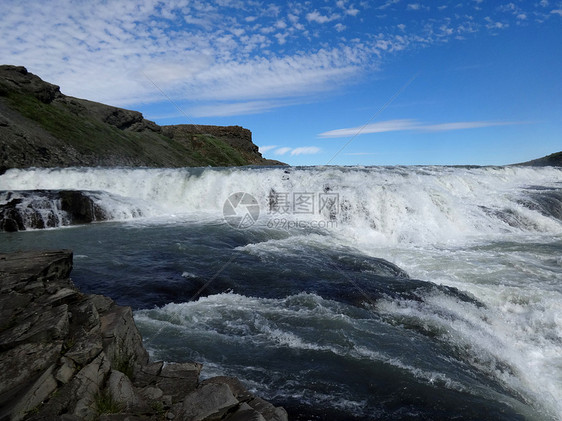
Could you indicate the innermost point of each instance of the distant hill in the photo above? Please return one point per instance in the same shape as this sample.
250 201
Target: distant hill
552 160
41 127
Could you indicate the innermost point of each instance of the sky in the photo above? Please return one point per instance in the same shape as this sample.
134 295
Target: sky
319 82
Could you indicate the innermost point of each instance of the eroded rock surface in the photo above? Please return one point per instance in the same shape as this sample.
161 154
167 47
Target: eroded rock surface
65 355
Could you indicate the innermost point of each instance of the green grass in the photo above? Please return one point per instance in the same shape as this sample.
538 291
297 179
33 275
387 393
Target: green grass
123 364
71 123
105 404
218 153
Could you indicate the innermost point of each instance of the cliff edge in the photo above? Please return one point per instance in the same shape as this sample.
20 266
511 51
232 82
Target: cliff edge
42 127
552 160
70 356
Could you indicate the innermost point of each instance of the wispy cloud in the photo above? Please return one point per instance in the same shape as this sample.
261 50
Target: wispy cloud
412 125
227 57
282 151
380 127
303 150
233 108
266 148
306 150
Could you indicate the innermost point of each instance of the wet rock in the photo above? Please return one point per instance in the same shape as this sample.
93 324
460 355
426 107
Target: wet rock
80 206
38 209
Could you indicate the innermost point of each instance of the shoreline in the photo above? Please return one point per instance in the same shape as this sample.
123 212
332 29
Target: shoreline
73 356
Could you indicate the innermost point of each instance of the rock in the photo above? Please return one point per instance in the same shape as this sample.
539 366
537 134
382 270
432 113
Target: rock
245 413
211 401
62 353
66 370
39 391
236 387
62 296
19 271
20 80
86 384
121 389
552 160
150 393
32 326
19 366
101 303
122 340
38 127
85 349
177 379
148 374
80 206
38 209
269 412
85 316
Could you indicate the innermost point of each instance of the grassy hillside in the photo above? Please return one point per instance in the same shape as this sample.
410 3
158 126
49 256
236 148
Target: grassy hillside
39 126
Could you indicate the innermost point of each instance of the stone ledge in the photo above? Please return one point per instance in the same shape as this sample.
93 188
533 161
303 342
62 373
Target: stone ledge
65 355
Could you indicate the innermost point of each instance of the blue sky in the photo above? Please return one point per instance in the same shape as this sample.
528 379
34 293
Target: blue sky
324 81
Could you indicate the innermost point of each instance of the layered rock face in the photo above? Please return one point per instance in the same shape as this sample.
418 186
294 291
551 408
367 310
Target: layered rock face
65 355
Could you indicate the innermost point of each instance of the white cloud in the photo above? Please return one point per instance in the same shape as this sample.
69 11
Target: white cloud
463 125
234 108
411 125
317 17
306 150
264 149
340 27
303 150
556 12
282 151
226 57
380 127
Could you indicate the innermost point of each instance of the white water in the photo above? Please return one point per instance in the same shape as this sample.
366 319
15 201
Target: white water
424 205
472 229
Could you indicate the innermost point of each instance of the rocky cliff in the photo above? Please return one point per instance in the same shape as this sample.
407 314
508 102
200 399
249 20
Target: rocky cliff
41 127
69 356
552 160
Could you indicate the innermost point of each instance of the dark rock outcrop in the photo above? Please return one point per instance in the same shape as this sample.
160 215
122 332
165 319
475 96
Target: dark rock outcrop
18 79
38 209
41 127
65 355
552 160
